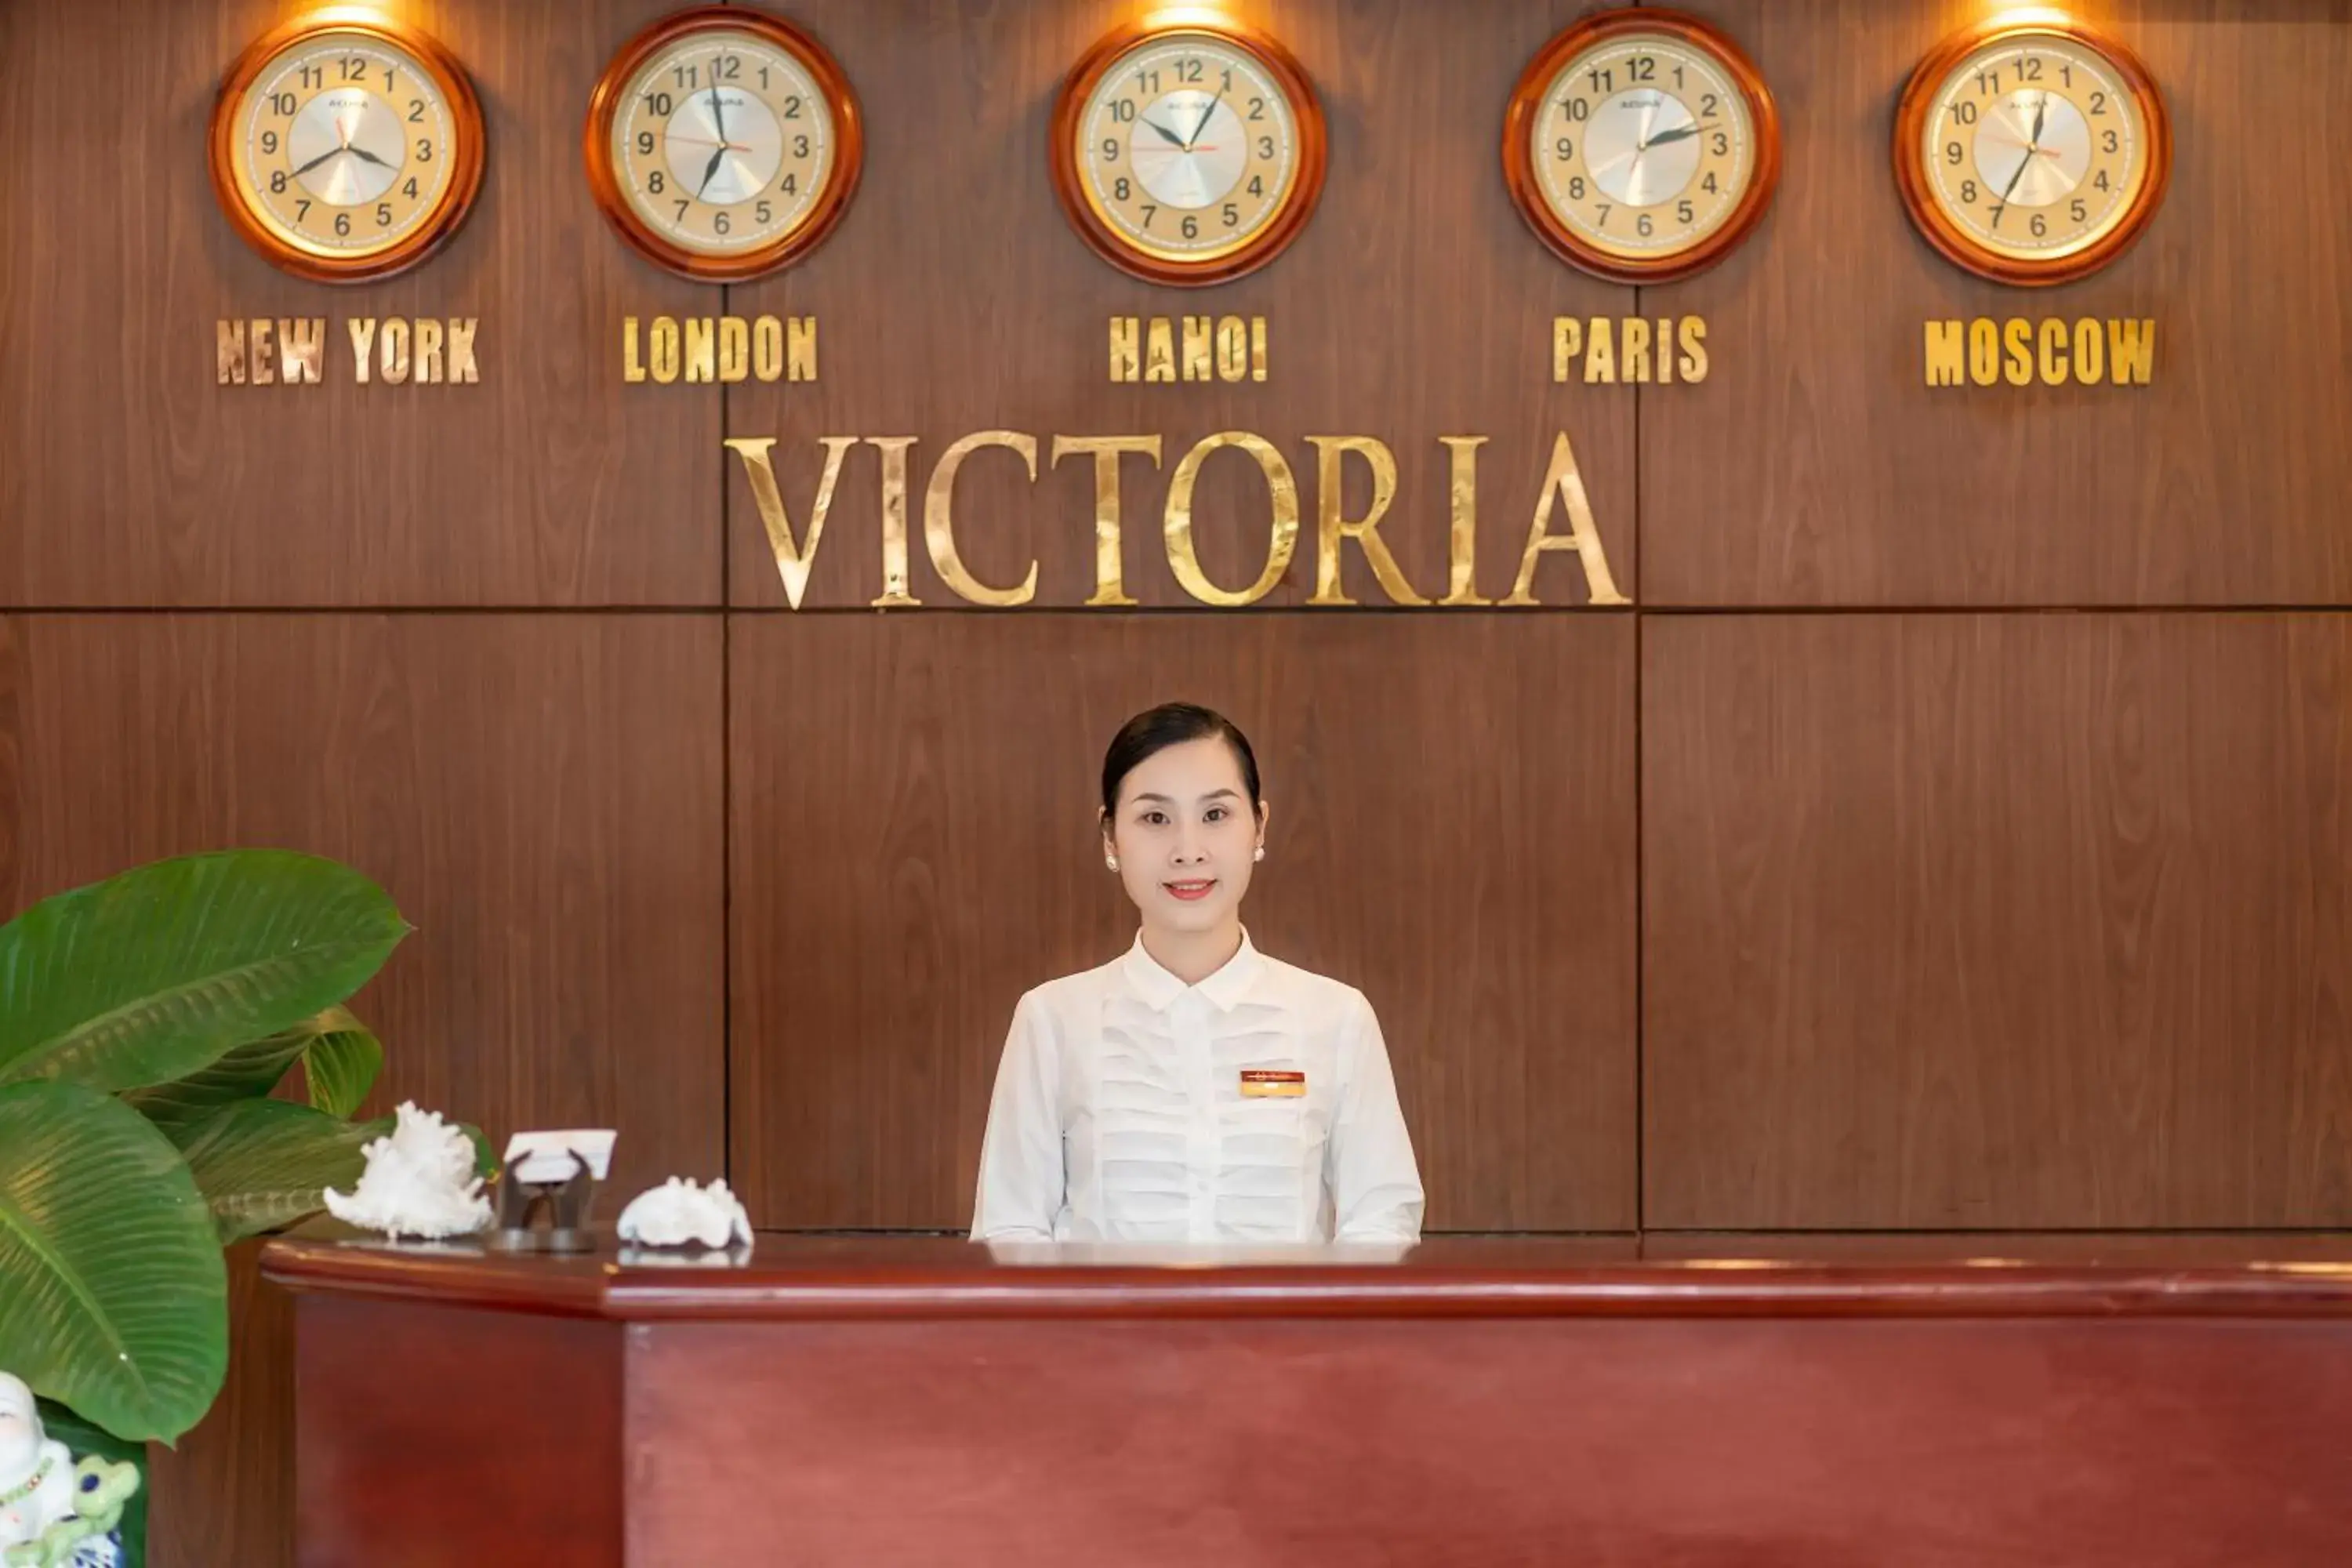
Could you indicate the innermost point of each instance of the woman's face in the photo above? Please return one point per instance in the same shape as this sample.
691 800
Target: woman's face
1185 835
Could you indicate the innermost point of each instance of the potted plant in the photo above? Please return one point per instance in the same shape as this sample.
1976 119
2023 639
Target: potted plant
151 1029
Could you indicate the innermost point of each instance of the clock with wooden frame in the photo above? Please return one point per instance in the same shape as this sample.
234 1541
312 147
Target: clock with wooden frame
2032 149
723 143
346 145
1641 145
1188 148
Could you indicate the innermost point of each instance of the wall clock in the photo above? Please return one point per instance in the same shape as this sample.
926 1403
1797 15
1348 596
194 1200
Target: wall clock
346 146
2032 152
1641 145
1188 151
723 143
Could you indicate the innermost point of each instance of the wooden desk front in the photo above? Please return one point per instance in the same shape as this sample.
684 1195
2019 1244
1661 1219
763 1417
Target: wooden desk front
1816 1403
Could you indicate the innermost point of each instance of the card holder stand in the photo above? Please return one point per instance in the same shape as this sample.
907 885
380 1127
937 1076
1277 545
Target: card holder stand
563 1205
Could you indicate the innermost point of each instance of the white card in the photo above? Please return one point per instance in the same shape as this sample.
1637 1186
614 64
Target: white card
540 1156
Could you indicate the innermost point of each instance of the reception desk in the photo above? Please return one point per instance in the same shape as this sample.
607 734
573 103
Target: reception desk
1823 1402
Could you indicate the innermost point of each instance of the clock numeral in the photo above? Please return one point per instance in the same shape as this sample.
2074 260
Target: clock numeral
301 210
727 68
1709 186
1603 80
1111 149
416 111
764 78
1565 148
2066 74
387 80
2102 182
282 102
765 213
2108 140
423 151
409 190
659 103
792 107
800 146
1122 109
383 214
1228 80
342 222
718 222
1955 154
789 184
2029 69
1576 109
1191 227
1265 146
1232 215
353 69
277 182
1605 210
1576 188
1146 81
645 141
655 184
1258 109
1644 225
1707 105
2098 103
2081 214
313 76
1988 82
1187 71
269 141
1998 208
682 205
687 76
1968 191
1683 213
1722 144
1642 69
1966 113
1119 189
1150 211
2041 225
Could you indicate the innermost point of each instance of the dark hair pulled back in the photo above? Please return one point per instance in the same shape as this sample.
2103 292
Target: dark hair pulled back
1172 724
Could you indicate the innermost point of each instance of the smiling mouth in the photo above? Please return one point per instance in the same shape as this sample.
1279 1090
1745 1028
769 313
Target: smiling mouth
1189 891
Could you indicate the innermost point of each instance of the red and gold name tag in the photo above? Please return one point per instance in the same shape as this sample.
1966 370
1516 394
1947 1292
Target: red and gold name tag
1267 1083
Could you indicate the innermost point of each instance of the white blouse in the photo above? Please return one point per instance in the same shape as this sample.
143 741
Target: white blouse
1254 1107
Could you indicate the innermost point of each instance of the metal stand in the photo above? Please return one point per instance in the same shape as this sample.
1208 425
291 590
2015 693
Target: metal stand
565 1205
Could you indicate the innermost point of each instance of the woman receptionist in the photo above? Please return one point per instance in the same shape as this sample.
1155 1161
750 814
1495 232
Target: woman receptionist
1193 1090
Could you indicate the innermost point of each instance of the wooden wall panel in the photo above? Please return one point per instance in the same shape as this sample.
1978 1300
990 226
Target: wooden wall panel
539 795
548 483
1997 920
955 298
225 1494
914 845
1815 468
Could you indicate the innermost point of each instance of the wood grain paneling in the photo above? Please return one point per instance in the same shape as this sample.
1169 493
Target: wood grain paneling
1452 831
955 298
539 795
1997 920
547 483
225 1494
1814 466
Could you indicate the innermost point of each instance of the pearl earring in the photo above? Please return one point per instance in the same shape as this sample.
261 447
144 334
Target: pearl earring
1261 853
1111 861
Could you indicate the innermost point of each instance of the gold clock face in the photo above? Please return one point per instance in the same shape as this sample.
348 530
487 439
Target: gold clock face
2033 154
1195 152
1641 145
346 151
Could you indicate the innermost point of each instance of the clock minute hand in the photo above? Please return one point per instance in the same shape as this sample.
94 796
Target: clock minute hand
319 160
1202 123
1680 133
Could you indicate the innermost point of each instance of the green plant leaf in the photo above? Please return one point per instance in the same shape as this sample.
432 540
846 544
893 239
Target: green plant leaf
152 974
252 1070
341 1063
262 1164
113 1296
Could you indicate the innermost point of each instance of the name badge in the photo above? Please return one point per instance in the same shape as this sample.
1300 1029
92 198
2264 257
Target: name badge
1267 1083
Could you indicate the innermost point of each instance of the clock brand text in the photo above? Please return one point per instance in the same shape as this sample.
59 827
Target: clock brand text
293 350
2053 353
1350 474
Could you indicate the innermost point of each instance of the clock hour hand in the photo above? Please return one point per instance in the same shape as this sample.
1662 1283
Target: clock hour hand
1165 134
708 170
356 151
1680 133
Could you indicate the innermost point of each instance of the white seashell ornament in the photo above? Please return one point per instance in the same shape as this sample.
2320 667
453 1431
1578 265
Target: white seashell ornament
419 1180
682 1211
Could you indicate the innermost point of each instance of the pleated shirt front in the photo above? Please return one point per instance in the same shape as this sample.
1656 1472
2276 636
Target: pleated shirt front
1257 1106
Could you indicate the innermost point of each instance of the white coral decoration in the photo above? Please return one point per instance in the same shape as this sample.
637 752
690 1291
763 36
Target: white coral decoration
679 1212
419 1180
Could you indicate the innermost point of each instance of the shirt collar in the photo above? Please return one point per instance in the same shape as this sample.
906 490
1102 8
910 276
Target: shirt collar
1159 989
